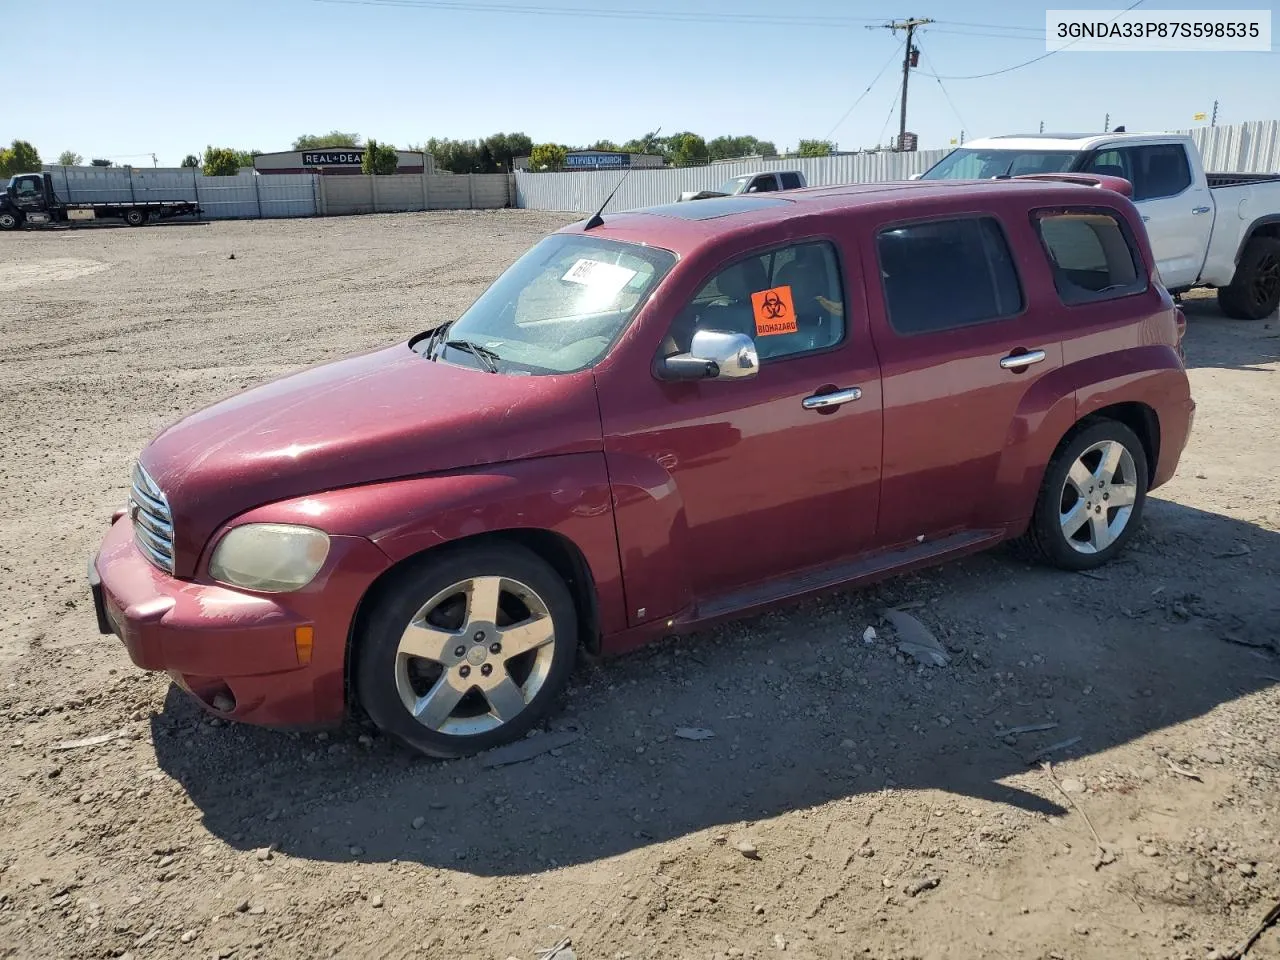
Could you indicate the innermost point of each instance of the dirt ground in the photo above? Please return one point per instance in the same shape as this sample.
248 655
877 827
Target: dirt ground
890 815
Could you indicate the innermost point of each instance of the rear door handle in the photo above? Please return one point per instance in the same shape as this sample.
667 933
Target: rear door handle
1199 210
820 401
1016 361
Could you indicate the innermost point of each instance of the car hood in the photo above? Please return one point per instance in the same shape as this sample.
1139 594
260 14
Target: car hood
383 415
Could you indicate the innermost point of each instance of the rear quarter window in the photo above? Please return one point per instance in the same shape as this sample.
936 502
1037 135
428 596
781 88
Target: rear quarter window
1092 255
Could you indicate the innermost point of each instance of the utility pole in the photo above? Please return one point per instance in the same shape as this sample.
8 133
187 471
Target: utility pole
1106 124
154 161
1213 122
910 58
1042 126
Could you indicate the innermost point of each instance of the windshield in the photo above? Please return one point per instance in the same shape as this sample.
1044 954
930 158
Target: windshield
984 164
557 309
731 187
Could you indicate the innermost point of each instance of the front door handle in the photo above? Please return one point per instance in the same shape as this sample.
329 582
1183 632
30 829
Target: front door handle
1199 210
820 401
1016 361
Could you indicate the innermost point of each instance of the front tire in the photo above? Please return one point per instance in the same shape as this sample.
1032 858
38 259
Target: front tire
467 649
10 221
1091 499
1254 292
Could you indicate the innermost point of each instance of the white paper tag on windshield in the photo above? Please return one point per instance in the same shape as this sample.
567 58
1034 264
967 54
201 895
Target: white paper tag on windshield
605 277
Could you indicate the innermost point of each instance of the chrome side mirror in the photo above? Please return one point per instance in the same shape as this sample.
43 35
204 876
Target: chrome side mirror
713 355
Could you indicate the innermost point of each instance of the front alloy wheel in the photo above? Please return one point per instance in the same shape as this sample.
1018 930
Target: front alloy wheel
466 649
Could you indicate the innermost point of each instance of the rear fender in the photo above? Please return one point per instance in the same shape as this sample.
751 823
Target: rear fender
1151 376
565 495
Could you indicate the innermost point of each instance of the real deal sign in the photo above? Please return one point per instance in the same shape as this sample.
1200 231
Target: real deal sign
332 158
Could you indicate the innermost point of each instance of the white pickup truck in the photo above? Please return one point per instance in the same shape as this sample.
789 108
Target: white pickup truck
1207 230
751 183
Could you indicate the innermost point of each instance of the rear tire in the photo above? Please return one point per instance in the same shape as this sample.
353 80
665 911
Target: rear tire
466 649
1254 292
135 218
10 221
1091 499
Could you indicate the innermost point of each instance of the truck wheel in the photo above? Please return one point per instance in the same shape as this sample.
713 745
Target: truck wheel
466 650
1091 499
135 218
1254 291
9 221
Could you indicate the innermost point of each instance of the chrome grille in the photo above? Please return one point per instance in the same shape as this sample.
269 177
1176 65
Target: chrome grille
152 521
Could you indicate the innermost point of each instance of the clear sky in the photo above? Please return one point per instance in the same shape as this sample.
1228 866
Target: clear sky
171 76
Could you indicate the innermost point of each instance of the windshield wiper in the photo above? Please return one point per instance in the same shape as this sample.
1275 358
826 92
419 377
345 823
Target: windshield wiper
482 353
433 340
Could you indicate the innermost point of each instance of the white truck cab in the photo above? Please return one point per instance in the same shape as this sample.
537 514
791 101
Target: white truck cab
1213 230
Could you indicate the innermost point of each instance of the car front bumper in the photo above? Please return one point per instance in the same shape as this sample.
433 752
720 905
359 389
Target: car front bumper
243 656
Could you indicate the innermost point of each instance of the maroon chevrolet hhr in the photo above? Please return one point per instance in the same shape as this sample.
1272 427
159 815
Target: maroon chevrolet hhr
650 421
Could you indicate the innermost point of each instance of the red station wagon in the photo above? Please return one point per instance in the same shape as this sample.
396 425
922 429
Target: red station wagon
651 421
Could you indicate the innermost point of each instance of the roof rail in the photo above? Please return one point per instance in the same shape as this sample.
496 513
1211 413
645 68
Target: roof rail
1102 181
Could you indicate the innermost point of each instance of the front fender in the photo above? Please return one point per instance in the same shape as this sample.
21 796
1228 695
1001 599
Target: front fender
567 495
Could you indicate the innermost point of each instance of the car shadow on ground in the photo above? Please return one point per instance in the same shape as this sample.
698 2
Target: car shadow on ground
804 711
1215 340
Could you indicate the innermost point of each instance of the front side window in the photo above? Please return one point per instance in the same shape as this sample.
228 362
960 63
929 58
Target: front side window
1092 256
763 185
947 274
27 188
789 300
557 309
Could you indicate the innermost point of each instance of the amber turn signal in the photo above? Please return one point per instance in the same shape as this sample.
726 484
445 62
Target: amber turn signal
303 640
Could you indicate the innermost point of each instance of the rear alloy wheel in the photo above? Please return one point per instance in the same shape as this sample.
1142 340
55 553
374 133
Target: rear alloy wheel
9 221
135 218
1254 292
1092 498
468 650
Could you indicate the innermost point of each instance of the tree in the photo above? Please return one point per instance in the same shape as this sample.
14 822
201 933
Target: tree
69 158
547 156
334 138
815 148
380 159
97 162
608 146
221 162
503 148
19 157
688 149
190 160
731 147
456 156
245 157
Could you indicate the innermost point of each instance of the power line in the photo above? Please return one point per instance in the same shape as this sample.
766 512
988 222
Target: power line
1039 31
744 19
954 109
1027 63
893 106
1038 38
892 57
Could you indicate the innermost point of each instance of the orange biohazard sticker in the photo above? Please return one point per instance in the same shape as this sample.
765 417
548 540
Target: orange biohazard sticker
774 312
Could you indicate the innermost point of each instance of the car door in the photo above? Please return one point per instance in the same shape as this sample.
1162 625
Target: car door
1178 212
28 194
725 486
959 349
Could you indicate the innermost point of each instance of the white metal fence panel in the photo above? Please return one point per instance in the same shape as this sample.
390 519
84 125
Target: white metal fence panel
1240 148
584 192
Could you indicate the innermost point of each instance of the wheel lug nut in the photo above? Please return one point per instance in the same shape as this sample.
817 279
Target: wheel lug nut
479 636
459 651
495 648
465 671
487 669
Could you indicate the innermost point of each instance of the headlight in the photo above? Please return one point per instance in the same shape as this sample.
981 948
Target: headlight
271 557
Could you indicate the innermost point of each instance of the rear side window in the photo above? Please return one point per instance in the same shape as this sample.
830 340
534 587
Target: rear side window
946 274
1156 171
790 181
1092 256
